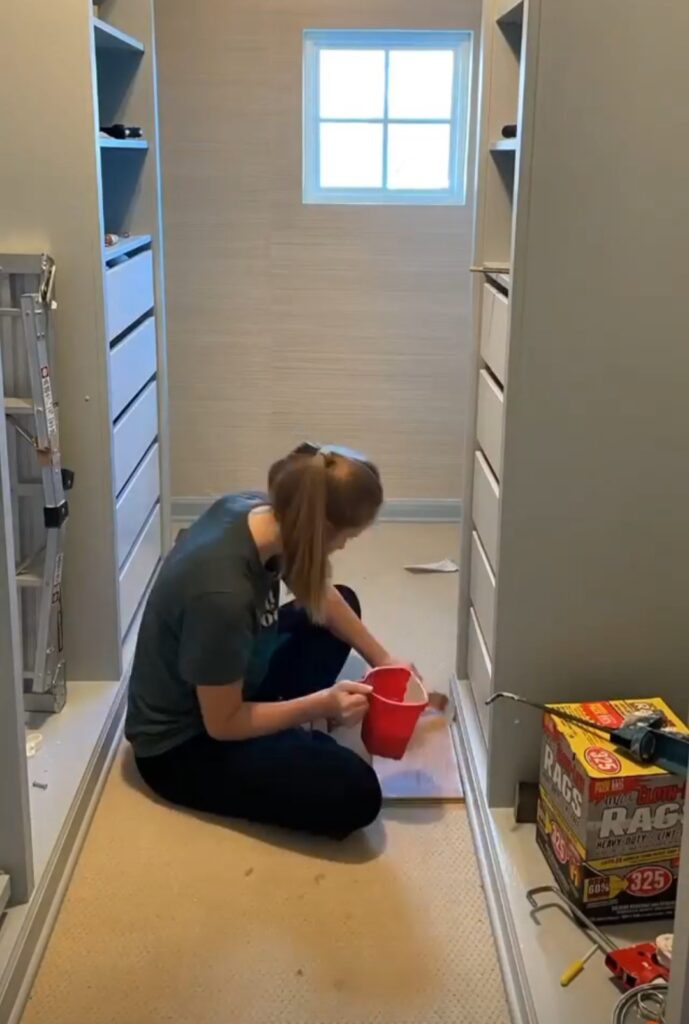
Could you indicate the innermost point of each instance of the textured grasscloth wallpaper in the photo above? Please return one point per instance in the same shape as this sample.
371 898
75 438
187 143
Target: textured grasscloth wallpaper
289 321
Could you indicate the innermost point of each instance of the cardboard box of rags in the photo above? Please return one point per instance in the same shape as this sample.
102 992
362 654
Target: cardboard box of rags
609 827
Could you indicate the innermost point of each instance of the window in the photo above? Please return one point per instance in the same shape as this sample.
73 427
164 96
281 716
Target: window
385 116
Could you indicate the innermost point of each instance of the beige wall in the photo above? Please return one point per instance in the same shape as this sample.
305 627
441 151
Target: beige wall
348 324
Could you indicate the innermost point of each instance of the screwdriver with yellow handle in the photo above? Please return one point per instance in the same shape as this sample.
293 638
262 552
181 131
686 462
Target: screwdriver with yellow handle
575 969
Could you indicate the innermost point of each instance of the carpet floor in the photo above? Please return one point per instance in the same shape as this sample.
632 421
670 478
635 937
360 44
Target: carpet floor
176 917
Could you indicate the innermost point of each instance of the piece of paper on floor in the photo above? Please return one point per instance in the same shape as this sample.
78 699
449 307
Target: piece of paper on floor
446 565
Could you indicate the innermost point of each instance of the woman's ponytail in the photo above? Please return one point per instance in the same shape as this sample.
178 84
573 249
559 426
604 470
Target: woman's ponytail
299 497
316 494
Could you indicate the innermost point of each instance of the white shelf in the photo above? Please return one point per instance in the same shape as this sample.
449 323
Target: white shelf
511 13
70 769
107 37
69 740
72 763
105 142
534 952
504 146
124 246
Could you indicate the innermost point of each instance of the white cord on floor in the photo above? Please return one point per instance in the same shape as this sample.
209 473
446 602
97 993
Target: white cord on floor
647 1001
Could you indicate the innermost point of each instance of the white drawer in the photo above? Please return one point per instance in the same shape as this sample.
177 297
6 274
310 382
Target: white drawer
134 434
494 309
482 590
489 420
138 570
128 292
485 505
135 503
132 363
480 670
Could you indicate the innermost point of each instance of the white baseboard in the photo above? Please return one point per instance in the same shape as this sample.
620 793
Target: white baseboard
398 510
420 510
471 754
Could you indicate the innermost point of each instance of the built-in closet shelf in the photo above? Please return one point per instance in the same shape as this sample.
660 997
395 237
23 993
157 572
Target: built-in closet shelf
504 146
125 246
108 143
107 37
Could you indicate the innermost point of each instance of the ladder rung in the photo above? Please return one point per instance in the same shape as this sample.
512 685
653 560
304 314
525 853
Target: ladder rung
30 573
10 311
19 406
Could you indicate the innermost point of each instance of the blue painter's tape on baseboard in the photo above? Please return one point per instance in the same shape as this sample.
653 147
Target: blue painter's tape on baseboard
398 510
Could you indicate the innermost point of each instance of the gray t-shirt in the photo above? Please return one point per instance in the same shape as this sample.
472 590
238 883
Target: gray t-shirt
210 619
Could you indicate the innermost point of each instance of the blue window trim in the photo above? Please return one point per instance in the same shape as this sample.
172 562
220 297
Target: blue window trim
461 42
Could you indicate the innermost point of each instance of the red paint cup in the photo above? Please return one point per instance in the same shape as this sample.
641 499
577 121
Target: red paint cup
395 706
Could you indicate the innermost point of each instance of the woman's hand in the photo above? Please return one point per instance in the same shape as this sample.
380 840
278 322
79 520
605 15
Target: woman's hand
347 703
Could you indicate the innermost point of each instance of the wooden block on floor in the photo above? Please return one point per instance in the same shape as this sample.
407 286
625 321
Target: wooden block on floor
428 771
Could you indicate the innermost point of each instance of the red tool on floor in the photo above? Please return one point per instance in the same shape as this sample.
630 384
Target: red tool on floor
631 965
636 965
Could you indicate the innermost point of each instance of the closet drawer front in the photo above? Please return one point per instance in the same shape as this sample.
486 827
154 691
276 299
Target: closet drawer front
485 505
480 670
482 590
134 434
138 569
132 363
489 420
135 503
494 319
128 293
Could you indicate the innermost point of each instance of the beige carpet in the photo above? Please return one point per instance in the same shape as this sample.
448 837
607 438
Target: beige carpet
173 917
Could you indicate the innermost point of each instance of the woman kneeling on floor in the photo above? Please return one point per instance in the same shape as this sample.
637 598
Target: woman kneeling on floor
224 679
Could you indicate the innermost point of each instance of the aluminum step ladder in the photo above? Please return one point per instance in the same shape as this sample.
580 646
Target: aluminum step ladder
38 481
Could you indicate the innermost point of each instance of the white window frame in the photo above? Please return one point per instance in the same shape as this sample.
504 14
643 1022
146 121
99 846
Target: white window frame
461 42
